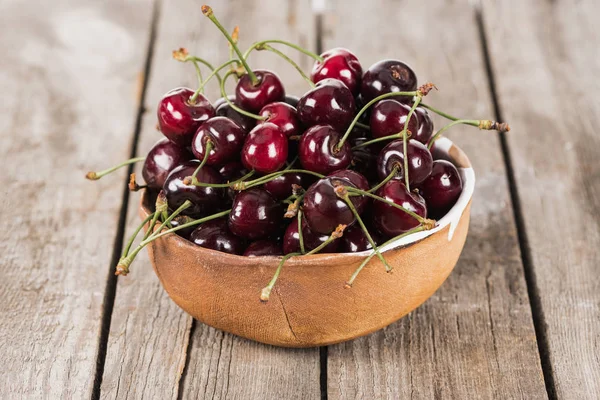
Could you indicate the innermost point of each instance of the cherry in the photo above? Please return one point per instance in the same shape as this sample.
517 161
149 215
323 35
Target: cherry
281 187
389 117
388 76
354 240
215 235
178 118
330 102
392 221
243 121
265 149
263 248
162 158
341 64
317 150
420 160
226 138
253 97
324 210
442 188
232 171
284 116
292 100
425 130
180 220
312 240
255 214
205 200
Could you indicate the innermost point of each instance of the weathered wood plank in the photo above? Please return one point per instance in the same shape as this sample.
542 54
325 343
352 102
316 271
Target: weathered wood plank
149 333
70 73
545 60
474 338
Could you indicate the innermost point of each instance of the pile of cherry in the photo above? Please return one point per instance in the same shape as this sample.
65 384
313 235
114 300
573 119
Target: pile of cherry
347 167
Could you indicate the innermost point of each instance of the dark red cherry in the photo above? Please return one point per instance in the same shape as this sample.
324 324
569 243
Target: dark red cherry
331 102
262 248
265 149
178 118
232 171
392 221
354 240
255 214
388 117
425 130
388 76
215 235
284 116
269 89
205 200
225 110
324 210
281 187
420 160
291 100
442 188
162 158
341 64
364 159
317 150
353 177
227 139
312 240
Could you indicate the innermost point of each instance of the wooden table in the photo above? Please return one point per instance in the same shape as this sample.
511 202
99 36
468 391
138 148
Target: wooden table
518 318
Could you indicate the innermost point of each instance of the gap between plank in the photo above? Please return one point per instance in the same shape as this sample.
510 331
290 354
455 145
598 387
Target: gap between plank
111 284
188 352
537 312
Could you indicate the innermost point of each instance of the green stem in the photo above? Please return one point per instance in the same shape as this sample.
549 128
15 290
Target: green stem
234 36
236 108
381 139
150 228
203 83
273 175
450 125
383 182
292 45
292 63
94 176
208 12
215 72
435 110
266 292
300 234
405 139
223 185
207 149
136 232
388 202
365 108
363 126
200 81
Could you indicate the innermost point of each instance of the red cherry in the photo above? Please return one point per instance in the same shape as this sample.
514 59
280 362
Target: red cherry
269 89
341 64
227 139
392 221
355 240
388 117
262 248
317 151
331 102
425 130
215 235
162 158
312 240
178 118
388 76
223 109
255 214
284 116
420 160
442 188
265 149
281 187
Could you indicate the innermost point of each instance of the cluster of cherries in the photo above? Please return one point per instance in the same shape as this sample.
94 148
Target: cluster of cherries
346 167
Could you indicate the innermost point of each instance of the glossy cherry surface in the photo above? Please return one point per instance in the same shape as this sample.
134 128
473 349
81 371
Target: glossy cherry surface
205 200
331 102
226 138
215 235
178 118
262 248
389 117
425 131
354 240
442 188
312 240
392 221
281 187
341 64
269 89
162 158
388 76
420 160
255 214
243 121
265 149
283 116
317 152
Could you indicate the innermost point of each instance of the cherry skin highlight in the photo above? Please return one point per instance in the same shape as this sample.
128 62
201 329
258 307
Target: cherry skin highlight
442 188
255 214
317 152
162 158
420 160
389 117
425 130
340 64
388 76
215 235
226 138
265 149
391 221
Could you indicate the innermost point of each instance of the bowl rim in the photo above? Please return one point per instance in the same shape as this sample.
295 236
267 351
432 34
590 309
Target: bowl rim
443 146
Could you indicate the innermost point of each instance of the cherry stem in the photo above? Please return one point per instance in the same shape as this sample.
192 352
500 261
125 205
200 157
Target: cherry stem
419 96
232 105
300 234
208 12
365 108
136 232
382 139
260 44
150 229
289 60
161 205
383 182
192 180
363 126
273 175
234 35
388 202
481 124
214 72
94 176
223 185
350 281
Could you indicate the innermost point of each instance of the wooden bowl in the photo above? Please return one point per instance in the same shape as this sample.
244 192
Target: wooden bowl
309 305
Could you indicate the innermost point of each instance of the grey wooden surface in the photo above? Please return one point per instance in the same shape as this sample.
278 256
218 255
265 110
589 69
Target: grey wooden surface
518 318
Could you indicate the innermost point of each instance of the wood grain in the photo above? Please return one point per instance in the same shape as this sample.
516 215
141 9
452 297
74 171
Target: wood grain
474 338
545 60
68 74
152 367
